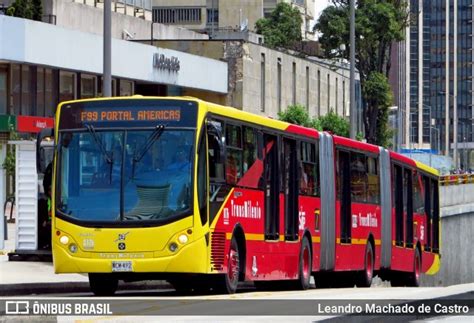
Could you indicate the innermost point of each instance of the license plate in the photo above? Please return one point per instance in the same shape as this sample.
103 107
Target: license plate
121 266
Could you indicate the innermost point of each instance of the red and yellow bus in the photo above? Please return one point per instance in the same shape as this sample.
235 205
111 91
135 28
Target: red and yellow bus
205 196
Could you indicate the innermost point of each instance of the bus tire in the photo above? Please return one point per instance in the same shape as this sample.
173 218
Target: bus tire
227 283
413 279
365 277
305 266
103 284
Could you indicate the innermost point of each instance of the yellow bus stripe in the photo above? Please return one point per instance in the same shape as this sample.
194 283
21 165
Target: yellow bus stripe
214 222
435 266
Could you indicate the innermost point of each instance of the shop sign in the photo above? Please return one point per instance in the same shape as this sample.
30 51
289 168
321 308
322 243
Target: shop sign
33 124
7 123
162 62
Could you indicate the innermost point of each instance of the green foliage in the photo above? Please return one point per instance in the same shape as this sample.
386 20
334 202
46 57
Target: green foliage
379 24
282 28
10 160
298 114
28 9
37 9
333 123
379 98
360 136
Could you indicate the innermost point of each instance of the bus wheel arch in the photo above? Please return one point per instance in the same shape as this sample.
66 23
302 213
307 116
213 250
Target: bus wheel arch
239 235
305 263
366 276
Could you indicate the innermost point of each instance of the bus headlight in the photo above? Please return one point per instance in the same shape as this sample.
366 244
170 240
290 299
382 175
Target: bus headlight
183 239
64 240
73 248
173 246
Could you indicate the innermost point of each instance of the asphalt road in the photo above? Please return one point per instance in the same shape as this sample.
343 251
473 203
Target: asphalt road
250 305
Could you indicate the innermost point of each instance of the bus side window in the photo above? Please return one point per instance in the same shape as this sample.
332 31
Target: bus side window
215 151
428 211
309 179
418 200
202 180
233 163
436 218
373 180
359 178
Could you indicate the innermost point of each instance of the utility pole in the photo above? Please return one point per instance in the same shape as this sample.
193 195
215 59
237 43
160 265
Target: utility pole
107 77
353 117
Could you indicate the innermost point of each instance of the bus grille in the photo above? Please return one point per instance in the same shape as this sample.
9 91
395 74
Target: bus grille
217 250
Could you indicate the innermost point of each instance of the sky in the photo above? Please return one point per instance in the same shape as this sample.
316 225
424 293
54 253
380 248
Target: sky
320 5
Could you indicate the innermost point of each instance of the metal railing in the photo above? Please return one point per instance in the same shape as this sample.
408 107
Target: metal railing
456 179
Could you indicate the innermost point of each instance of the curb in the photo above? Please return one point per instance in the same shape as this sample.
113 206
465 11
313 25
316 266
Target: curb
72 287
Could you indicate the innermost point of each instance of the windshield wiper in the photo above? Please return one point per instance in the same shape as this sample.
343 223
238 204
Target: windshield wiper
99 143
147 145
97 140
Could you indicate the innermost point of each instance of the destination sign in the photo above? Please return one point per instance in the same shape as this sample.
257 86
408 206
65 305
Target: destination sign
122 113
129 115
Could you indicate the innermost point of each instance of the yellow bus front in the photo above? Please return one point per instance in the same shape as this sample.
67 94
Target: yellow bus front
125 186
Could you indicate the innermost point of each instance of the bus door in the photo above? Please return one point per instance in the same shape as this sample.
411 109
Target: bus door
408 183
399 204
290 181
345 195
272 187
428 212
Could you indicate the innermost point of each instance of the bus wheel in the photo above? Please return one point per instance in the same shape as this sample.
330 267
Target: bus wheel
413 279
365 277
228 283
305 266
103 284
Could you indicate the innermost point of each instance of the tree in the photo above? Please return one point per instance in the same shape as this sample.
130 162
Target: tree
37 10
333 123
29 9
298 114
379 23
282 28
21 9
379 98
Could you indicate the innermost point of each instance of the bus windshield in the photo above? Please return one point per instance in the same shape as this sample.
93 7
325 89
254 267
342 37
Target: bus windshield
120 173
156 178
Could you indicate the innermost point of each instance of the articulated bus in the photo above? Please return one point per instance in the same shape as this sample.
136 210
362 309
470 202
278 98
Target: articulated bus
205 196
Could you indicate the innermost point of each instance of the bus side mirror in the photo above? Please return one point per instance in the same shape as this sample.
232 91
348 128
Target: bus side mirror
46 134
214 133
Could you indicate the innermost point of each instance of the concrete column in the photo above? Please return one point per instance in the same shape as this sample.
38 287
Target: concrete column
3 188
420 74
446 110
455 83
407 84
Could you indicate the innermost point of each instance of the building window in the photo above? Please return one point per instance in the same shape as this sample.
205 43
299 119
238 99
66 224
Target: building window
3 90
262 83
16 88
49 95
88 86
279 84
212 16
177 15
67 86
294 83
126 88
25 90
319 93
329 93
337 94
307 88
344 108
40 91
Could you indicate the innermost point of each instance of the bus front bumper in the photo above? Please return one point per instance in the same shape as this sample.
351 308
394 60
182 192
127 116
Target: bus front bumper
190 258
